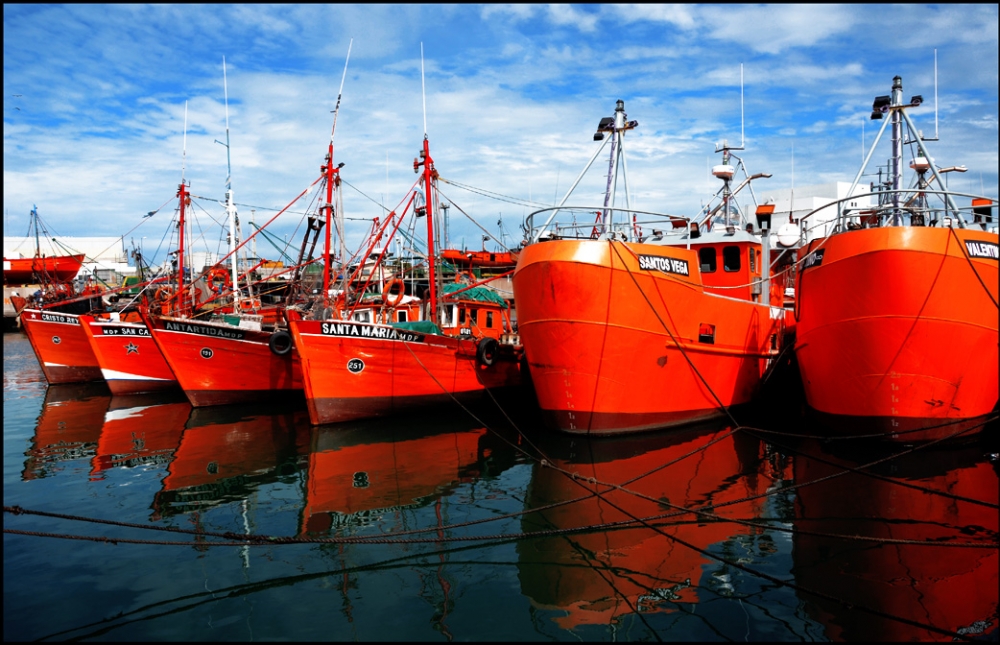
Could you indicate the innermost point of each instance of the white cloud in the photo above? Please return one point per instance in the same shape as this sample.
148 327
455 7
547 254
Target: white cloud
512 102
567 15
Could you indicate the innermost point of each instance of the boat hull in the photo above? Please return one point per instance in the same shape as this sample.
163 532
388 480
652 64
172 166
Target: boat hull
61 345
59 268
614 347
129 359
899 324
218 364
356 371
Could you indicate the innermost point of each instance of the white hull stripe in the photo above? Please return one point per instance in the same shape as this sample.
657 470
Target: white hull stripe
112 375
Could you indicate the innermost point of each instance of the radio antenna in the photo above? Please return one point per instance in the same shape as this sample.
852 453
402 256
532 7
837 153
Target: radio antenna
423 91
184 154
340 92
742 141
935 98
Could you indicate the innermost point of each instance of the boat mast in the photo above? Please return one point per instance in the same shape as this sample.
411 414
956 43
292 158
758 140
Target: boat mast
617 126
332 176
34 223
182 196
428 164
230 207
893 104
896 167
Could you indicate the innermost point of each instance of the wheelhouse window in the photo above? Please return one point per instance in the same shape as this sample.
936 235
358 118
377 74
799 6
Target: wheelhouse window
731 258
489 319
474 316
706 257
400 315
363 316
753 261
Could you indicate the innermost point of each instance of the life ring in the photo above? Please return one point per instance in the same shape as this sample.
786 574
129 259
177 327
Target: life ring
164 293
486 351
388 298
280 343
219 274
466 277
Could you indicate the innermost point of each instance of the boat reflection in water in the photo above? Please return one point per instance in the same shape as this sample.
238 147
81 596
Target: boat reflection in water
227 452
597 577
68 428
363 472
949 588
140 430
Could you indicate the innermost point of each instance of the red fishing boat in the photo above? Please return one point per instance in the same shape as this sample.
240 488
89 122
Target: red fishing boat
40 269
61 345
242 353
58 268
627 332
480 259
355 370
897 309
221 364
129 360
232 351
60 340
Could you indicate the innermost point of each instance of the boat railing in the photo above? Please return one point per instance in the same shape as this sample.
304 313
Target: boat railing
913 211
598 222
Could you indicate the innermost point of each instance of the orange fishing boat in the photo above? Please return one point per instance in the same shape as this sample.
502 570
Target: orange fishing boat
458 350
129 360
897 309
627 332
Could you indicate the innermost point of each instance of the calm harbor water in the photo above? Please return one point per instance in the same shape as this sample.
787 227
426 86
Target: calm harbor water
484 527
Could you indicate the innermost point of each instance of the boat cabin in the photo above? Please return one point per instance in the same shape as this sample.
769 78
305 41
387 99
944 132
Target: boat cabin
730 260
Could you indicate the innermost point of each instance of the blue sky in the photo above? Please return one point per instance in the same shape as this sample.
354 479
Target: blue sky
94 100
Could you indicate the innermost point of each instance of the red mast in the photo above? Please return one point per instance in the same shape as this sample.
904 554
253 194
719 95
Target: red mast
329 171
428 200
332 174
182 195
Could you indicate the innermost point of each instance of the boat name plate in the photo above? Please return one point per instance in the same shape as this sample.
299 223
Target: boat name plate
663 265
369 331
814 259
205 330
987 250
59 318
115 330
